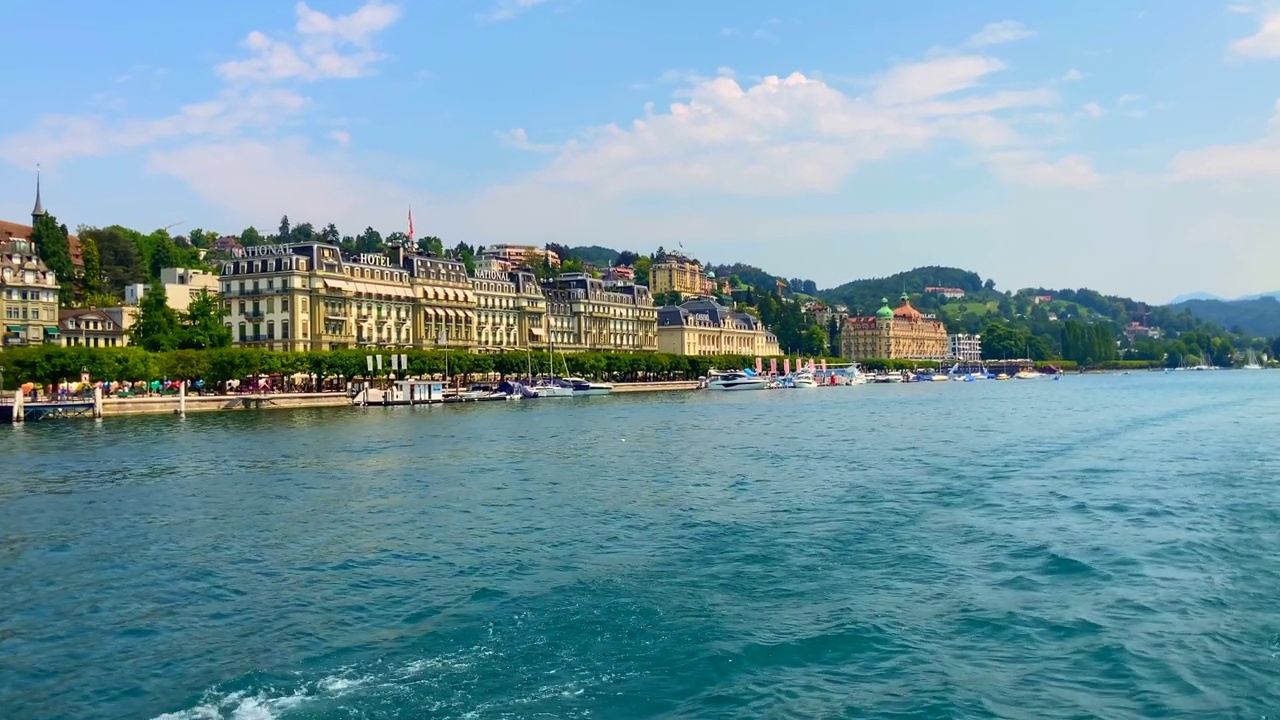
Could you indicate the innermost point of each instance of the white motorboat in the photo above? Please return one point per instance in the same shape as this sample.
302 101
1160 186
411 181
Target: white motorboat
804 380
887 378
736 381
552 388
1028 374
582 387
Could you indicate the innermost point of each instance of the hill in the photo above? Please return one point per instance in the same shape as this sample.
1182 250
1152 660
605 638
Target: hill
1259 316
864 295
601 257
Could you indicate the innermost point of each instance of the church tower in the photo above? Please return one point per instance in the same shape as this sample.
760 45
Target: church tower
37 212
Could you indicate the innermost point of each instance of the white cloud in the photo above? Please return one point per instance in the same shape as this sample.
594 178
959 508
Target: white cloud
998 33
1242 9
912 82
1072 75
328 47
519 139
787 136
1260 158
342 137
511 9
1073 171
1093 110
730 32
1264 44
61 137
1128 99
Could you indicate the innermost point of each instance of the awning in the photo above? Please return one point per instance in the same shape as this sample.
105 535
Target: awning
51 331
536 331
15 328
451 312
338 285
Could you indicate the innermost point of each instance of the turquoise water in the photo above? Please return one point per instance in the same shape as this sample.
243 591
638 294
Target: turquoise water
1099 547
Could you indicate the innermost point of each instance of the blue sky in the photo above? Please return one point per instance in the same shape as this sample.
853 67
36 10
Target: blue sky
1131 146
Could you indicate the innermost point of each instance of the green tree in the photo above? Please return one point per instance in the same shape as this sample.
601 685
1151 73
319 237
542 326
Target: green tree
202 326
285 230
54 248
250 237
330 234
397 238
157 328
814 341
643 264
369 241
91 283
431 245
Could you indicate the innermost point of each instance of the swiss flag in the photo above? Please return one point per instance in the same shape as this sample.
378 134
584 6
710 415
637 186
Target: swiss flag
410 223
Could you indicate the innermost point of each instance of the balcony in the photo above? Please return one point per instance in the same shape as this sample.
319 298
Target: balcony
257 338
254 315
250 292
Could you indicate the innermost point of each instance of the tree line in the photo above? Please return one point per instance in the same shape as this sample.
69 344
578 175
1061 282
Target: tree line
46 364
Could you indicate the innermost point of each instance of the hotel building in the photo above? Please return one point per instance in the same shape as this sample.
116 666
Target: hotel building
677 273
584 313
705 327
894 333
964 347
307 296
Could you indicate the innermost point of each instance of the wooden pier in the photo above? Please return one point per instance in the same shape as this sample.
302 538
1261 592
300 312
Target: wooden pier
18 409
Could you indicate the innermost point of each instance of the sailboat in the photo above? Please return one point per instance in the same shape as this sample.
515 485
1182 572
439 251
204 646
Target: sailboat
550 386
1252 361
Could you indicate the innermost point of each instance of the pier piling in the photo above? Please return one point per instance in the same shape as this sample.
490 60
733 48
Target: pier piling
18 412
182 399
97 403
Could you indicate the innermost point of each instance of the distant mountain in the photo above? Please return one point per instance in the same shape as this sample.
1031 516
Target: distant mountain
1259 316
1194 296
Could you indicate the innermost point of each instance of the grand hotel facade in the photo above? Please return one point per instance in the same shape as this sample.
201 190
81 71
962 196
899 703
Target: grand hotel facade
309 296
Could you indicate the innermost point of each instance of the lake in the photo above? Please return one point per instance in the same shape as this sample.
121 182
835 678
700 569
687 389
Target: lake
1100 546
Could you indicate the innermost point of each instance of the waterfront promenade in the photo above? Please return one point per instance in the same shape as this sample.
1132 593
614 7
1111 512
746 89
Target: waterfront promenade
171 404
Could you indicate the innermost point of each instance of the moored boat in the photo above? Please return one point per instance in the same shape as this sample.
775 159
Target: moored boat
736 381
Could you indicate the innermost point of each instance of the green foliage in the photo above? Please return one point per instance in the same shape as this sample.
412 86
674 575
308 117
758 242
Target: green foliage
1002 341
1088 344
250 237
863 296
1258 316
594 255
91 283
157 329
813 341
642 266
431 245
202 327
54 248
46 364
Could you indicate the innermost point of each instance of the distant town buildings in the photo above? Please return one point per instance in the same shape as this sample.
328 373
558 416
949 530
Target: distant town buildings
28 288
519 255
679 274
92 327
703 326
1135 330
894 333
964 347
1041 299
946 292
823 313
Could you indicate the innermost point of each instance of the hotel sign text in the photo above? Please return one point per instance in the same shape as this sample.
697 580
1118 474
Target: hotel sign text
261 251
374 259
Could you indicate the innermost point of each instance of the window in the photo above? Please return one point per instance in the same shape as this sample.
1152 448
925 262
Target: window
243 332
271 329
284 305
271 305
241 307
241 287
35 313
284 329
271 284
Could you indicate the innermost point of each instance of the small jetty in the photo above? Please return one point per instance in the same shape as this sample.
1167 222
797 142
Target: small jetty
20 409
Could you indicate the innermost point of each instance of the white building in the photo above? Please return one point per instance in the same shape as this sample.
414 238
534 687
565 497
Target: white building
964 347
181 286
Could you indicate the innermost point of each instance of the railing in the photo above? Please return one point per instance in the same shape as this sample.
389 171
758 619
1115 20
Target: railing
257 338
254 315
248 292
